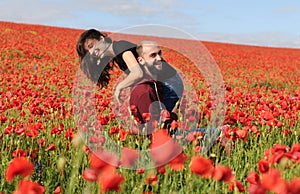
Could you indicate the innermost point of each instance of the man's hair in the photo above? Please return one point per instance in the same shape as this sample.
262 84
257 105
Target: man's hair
139 48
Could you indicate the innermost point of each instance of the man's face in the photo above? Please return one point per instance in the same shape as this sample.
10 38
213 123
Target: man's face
153 58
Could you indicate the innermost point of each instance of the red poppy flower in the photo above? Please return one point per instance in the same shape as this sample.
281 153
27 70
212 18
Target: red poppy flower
280 124
129 157
151 179
122 135
26 186
294 186
140 171
58 190
277 156
102 158
146 117
174 125
51 147
197 149
279 148
230 186
268 116
256 189
42 142
263 166
253 178
295 148
3 119
163 147
18 153
202 166
273 182
165 115
113 130
70 133
19 130
194 136
223 173
286 132
18 166
240 187
90 174
110 182
254 129
177 163
242 134
32 131
161 169
103 119
8 130
133 108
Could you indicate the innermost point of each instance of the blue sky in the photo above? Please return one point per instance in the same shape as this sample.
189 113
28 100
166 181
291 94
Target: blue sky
265 22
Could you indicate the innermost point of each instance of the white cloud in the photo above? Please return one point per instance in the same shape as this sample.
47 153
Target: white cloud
33 11
260 39
117 7
287 10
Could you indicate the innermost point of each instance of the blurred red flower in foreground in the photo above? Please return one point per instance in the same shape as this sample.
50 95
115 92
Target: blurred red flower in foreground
18 166
177 163
223 173
102 159
90 174
103 169
29 187
294 186
110 180
202 166
163 147
273 182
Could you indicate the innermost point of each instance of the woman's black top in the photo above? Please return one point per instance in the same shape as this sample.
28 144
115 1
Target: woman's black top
122 46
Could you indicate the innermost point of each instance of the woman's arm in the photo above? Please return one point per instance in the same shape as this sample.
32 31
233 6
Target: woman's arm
135 75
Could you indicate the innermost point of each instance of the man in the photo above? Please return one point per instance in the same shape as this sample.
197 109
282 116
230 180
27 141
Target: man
150 54
146 96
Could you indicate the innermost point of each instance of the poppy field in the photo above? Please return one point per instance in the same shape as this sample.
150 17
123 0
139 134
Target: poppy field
43 149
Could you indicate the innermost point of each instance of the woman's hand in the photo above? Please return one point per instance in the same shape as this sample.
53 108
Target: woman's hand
117 94
135 75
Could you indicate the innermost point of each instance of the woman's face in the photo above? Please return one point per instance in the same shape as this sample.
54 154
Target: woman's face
96 47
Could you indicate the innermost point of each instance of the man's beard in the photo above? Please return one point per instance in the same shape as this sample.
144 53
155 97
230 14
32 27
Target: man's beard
157 67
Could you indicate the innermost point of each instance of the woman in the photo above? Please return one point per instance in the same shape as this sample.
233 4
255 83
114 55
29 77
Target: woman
100 47
95 49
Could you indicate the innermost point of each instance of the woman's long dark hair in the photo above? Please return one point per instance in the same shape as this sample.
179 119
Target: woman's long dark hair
89 64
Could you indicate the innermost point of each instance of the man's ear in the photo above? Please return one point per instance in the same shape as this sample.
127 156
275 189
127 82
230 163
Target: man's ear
141 60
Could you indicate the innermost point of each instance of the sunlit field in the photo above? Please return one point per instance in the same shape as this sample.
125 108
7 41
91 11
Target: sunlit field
42 151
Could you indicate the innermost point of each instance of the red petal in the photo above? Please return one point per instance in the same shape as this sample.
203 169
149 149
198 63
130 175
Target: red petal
19 166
